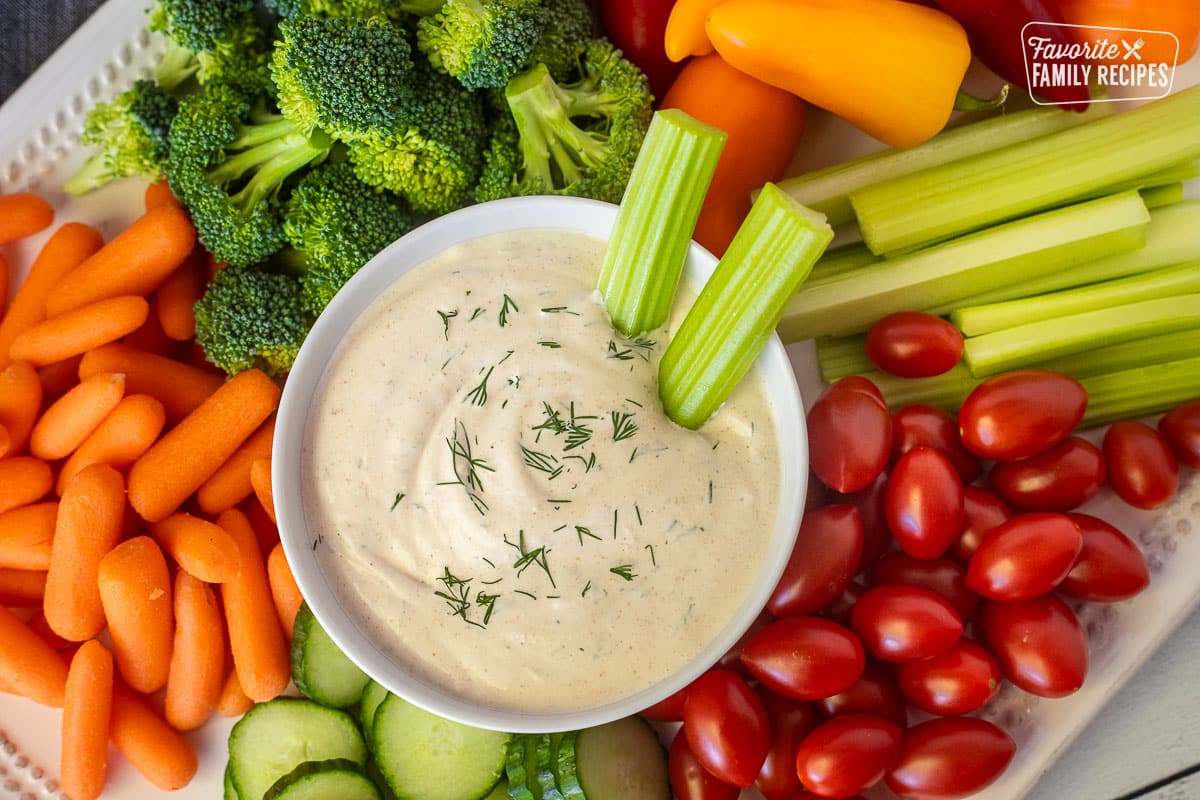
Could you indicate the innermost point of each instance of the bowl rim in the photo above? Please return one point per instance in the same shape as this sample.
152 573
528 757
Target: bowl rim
568 214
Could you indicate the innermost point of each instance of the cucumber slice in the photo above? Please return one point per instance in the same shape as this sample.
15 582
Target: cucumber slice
499 791
373 694
274 738
622 760
321 671
424 757
545 786
515 769
565 770
230 792
321 780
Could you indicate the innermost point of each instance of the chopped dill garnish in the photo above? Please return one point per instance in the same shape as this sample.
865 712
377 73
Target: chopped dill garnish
507 355
542 462
466 467
577 433
475 314
632 348
559 528
446 316
396 502
650 547
559 310
488 602
488 561
550 344
588 462
581 532
556 501
457 594
625 571
527 594
478 396
586 587
633 402
504 309
710 491
633 455
623 426
615 510
536 557
638 511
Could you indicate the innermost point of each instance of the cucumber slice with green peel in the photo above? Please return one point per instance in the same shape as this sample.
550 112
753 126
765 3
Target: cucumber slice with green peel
546 787
372 695
566 772
499 791
622 760
230 792
424 757
320 670
274 738
321 780
515 770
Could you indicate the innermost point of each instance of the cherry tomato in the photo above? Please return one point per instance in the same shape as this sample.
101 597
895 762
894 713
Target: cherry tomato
874 693
726 726
983 511
924 503
919 425
733 659
839 610
1064 477
950 758
1141 466
905 623
961 680
1039 644
824 559
637 27
1026 556
848 755
1181 428
870 503
942 576
689 779
791 720
849 435
1020 414
806 658
1110 566
669 709
913 344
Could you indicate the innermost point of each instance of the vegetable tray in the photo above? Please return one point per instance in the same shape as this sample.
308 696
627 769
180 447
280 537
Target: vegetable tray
40 147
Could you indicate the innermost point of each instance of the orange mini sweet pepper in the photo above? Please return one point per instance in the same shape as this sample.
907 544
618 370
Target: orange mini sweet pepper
891 68
685 35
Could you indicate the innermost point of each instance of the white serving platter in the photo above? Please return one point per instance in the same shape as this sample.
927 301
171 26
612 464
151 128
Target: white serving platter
40 147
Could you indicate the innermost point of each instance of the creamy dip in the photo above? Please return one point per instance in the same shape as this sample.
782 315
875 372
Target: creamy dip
499 499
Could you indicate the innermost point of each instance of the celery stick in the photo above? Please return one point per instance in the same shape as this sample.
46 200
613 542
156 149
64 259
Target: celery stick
738 309
1126 355
1140 391
1159 196
1170 239
827 190
978 320
938 203
1014 252
841 261
653 230
1028 344
839 356
947 390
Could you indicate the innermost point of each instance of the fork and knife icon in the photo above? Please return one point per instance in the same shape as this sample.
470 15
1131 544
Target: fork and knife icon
1131 50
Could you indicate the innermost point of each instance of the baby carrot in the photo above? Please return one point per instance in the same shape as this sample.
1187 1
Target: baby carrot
3 286
25 536
23 480
260 479
284 590
90 517
80 330
202 549
150 337
60 377
156 749
264 528
197 672
76 415
233 701
5 441
260 653
20 587
29 666
135 590
230 484
66 249
186 456
135 262
37 623
178 293
23 214
179 387
87 708
120 439
20 402
159 194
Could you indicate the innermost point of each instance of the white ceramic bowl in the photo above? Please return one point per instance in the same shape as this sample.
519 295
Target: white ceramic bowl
554 213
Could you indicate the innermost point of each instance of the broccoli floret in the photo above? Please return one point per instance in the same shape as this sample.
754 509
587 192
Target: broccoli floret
348 77
228 162
336 223
569 26
131 134
251 318
482 43
393 9
578 138
433 155
211 40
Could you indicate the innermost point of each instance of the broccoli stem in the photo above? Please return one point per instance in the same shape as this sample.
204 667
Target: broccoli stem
279 168
421 8
266 127
550 141
92 175
178 64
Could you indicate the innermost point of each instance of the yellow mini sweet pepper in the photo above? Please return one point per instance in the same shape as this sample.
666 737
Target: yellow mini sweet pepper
891 68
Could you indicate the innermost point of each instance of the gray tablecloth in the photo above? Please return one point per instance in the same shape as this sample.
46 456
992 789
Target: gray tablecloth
30 30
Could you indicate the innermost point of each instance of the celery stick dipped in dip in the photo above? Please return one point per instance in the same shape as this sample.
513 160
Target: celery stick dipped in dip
501 501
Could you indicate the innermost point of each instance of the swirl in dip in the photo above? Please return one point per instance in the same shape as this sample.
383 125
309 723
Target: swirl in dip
499 499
